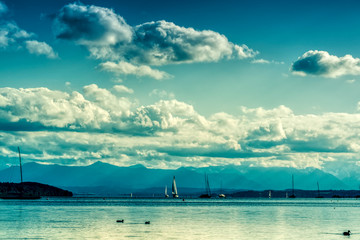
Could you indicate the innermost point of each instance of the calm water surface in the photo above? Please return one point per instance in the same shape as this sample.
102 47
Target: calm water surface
95 218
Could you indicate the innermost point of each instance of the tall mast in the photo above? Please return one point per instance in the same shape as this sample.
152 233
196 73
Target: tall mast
208 185
293 184
318 188
21 176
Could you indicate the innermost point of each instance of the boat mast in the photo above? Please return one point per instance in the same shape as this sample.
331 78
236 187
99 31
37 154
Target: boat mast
21 176
318 188
208 185
293 192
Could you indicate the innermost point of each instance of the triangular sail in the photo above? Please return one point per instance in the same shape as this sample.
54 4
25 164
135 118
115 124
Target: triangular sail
21 176
174 189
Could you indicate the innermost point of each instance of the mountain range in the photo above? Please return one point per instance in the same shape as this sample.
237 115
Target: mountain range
106 179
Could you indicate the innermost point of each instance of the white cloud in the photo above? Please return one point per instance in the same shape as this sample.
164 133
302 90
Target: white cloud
125 68
13 37
162 94
321 63
260 61
123 89
40 48
114 106
264 61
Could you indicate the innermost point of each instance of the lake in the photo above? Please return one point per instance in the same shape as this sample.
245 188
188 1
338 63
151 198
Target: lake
95 218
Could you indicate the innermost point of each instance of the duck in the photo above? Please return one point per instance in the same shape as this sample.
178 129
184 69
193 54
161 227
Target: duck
120 221
147 222
347 233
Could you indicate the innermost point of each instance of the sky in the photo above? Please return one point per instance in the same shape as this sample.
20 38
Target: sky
171 84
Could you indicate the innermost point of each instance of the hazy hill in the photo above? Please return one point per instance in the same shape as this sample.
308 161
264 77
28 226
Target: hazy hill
107 179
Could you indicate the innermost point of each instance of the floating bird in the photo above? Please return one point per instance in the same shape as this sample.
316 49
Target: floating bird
347 233
120 221
147 222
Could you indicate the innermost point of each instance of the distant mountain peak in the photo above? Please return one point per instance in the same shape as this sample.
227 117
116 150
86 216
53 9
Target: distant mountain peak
137 166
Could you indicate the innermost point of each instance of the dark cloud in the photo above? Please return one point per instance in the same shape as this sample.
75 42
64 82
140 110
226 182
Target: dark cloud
91 25
107 36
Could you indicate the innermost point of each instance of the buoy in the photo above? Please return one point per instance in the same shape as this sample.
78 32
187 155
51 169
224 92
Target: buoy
120 221
347 233
147 222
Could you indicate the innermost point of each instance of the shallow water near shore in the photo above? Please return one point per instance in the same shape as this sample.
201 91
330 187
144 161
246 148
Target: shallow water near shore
95 218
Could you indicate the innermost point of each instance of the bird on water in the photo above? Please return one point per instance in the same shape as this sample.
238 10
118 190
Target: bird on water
347 233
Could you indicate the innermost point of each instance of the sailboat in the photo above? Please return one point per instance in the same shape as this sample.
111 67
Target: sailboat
207 188
166 195
174 189
293 191
318 195
221 195
21 194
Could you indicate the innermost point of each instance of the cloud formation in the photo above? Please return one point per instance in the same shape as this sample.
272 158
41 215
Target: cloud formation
125 68
108 37
13 37
321 63
123 89
40 48
91 26
57 126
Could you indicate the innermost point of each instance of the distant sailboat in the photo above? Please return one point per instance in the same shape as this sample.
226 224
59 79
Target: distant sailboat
318 195
221 195
269 194
166 195
207 188
174 189
293 191
22 194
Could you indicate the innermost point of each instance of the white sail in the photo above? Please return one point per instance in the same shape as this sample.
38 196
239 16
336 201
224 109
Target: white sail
174 189
166 195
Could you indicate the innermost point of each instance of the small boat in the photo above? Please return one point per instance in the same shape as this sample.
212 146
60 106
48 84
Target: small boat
207 188
269 194
293 191
20 194
166 195
221 195
174 189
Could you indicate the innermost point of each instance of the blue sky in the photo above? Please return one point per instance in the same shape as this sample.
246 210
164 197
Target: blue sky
170 84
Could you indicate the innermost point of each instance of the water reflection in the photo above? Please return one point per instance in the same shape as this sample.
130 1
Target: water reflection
174 219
